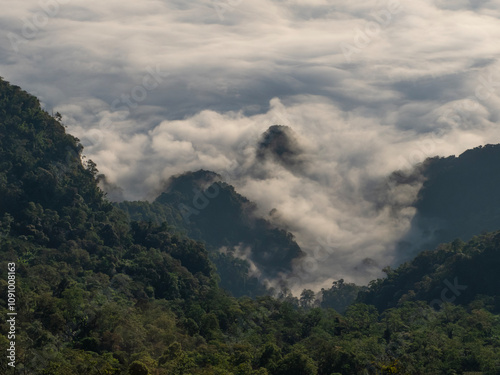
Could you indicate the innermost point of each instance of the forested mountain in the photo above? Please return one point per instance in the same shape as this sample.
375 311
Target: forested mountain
99 294
209 210
459 199
459 272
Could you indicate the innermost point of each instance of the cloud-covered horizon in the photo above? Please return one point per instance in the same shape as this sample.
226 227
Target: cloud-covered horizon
156 88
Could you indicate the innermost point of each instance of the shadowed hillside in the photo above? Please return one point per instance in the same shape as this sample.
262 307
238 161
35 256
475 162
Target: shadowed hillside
460 198
211 211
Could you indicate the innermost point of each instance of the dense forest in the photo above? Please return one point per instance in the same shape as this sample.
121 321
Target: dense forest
99 291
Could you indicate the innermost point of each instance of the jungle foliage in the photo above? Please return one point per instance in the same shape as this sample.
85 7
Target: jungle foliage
97 293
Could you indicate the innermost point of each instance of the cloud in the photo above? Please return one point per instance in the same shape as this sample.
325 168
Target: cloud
156 88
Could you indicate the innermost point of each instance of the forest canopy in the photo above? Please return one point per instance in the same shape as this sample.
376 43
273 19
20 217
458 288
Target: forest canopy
101 292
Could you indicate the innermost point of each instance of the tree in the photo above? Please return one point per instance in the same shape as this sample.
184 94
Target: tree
296 363
340 295
138 368
306 298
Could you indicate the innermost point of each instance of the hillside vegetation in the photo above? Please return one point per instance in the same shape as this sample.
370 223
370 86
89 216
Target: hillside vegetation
99 294
205 208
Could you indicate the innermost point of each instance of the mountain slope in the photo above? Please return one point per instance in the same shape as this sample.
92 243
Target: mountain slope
78 263
457 272
210 210
459 198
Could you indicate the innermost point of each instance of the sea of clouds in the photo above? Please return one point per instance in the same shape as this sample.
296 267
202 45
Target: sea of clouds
156 88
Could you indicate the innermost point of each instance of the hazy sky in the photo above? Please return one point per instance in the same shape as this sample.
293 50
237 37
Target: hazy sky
154 88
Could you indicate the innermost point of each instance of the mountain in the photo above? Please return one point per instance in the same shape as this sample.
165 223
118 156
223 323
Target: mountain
459 198
209 210
96 294
83 274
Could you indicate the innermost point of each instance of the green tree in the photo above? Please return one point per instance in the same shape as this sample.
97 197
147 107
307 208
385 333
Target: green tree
307 298
296 363
138 368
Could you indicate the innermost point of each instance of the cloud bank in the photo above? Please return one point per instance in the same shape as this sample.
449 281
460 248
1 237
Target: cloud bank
155 88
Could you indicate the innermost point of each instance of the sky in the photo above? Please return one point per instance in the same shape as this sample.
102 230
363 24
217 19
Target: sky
156 88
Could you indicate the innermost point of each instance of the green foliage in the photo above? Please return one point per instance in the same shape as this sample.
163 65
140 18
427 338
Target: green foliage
138 368
296 363
340 295
449 273
97 294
